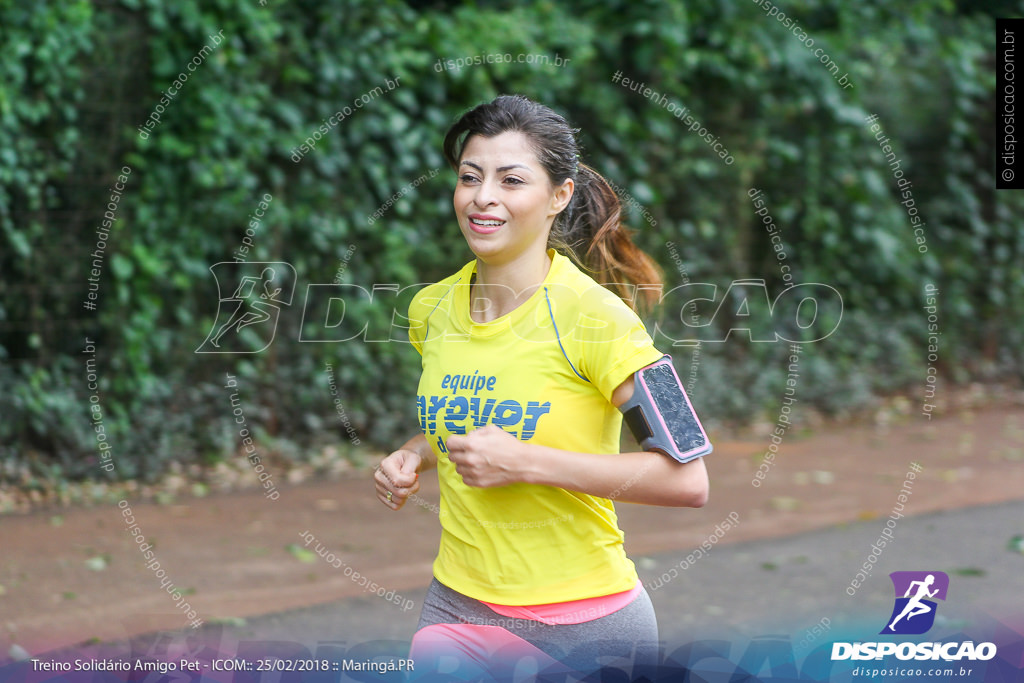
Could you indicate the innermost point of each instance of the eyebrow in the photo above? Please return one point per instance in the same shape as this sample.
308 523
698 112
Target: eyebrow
501 169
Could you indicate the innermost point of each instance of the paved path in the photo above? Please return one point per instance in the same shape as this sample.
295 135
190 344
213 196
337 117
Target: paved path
783 598
774 586
782 571
233 555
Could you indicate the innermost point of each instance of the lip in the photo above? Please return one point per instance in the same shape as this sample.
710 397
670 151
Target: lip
485 229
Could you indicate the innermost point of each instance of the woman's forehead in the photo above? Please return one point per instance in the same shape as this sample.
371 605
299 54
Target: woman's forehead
505 149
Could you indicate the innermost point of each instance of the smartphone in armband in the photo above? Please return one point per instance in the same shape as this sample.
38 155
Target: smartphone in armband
660 415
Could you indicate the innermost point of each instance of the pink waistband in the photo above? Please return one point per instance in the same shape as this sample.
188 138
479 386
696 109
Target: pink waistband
571 612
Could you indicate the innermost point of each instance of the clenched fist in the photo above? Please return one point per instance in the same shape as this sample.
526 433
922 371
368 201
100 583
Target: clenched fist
487 457
396 478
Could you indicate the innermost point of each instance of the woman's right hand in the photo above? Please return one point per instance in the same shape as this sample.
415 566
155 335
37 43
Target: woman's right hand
396 478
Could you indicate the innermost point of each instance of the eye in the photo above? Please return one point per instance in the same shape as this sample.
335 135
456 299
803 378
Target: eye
467 178
512 180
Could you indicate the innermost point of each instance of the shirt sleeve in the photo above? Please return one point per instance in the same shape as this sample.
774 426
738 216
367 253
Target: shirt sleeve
614 342
418 311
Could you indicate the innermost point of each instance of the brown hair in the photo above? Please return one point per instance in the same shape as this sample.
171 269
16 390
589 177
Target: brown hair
589 229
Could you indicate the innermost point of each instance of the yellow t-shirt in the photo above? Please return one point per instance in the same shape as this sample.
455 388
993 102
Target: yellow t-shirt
544 372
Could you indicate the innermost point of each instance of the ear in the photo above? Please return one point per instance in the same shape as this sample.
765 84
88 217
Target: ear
562 196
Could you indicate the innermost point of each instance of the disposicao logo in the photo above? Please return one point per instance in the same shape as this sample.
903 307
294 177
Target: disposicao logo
913 613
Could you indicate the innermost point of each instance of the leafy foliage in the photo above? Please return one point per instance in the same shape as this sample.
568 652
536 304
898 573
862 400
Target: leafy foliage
79 82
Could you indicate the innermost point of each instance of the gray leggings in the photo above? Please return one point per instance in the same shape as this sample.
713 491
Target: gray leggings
628 636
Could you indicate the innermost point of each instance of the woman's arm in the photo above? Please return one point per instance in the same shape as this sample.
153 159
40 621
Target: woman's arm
492 457
397 476
418 445
644 477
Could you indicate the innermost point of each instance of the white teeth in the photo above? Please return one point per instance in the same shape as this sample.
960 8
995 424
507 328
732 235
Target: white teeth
488 223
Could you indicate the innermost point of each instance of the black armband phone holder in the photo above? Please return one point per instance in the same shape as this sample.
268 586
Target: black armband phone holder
660 415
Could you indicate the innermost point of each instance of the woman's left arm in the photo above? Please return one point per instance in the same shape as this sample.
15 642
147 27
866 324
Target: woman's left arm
492 457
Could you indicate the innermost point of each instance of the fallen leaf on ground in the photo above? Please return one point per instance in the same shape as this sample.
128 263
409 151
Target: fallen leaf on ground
968 571
1015 545
301 554
18 653
97 563
823 477
785 503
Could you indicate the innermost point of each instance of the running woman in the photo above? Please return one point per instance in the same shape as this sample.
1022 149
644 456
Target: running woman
525 361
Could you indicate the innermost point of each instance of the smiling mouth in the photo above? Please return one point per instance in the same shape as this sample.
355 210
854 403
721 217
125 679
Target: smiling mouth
485 226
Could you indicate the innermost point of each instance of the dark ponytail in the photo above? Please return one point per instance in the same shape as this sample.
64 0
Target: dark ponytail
590 229
592 224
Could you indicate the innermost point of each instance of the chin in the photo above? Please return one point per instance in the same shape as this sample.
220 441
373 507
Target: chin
482 245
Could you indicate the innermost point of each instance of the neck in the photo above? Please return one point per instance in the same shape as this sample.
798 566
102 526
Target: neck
501 288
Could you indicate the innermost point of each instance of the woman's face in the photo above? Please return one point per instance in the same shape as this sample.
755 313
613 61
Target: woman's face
504 199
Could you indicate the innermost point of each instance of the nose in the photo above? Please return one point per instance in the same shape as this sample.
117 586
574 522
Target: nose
486 194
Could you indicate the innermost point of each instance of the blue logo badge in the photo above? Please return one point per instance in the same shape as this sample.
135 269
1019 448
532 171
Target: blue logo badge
916 592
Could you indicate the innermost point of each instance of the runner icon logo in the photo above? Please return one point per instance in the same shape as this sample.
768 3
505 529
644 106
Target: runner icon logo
250 296
914 610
